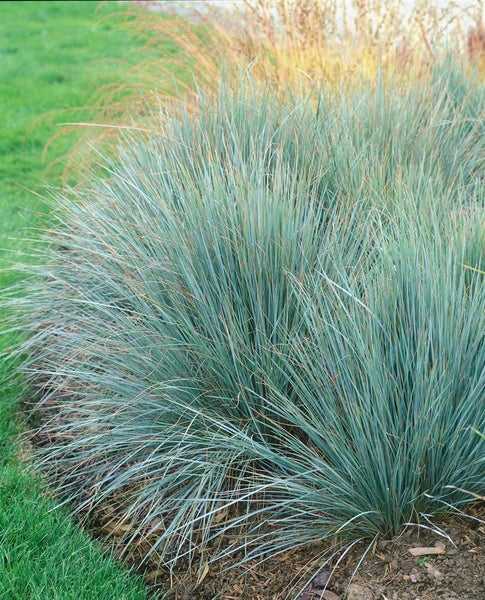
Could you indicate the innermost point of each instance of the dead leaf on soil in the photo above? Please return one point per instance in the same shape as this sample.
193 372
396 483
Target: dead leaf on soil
202 575
220 515
425 551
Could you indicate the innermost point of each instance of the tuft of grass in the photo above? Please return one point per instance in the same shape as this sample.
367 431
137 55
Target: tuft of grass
261 325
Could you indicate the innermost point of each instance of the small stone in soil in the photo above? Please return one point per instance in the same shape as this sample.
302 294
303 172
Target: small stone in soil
407 566
321 580
328 595
359 592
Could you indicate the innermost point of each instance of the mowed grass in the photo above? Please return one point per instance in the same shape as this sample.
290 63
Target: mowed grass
48 54
45 50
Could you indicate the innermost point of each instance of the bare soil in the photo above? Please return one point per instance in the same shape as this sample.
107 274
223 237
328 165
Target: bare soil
388 572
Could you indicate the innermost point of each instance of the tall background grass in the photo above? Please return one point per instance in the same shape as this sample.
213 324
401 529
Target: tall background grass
285 44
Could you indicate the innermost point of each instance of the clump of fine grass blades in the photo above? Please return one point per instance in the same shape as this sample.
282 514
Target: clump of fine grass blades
266 324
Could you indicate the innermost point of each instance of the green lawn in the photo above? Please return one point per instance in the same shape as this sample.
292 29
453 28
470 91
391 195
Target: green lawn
47 54
47 51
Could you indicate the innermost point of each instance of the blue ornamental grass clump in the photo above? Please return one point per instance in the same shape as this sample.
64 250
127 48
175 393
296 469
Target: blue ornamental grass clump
265 324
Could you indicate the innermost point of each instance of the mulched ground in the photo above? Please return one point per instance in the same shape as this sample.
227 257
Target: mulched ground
389 571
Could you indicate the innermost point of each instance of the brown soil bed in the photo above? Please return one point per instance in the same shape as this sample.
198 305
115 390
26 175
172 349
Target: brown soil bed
388 572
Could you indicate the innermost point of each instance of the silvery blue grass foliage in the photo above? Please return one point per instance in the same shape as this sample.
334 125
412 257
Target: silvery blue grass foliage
266 322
